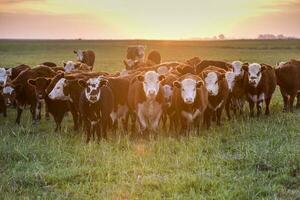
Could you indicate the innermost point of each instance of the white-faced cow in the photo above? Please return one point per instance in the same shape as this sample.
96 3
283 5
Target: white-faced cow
86 56
260 84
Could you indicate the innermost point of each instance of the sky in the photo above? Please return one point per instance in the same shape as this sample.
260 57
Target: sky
147 19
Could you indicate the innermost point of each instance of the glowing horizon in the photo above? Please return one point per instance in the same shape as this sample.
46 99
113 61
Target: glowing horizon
133 19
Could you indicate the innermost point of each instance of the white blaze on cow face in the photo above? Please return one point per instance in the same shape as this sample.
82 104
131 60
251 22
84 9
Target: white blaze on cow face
211 83
255 74
237 68
188 90
57 92
168 92
230 78
92 90
3 77
79 55
70 66
151 81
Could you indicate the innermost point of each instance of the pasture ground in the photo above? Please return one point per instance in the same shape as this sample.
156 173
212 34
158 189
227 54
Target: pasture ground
246 158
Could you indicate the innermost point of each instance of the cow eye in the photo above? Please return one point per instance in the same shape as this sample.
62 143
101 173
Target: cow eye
88 89
258 73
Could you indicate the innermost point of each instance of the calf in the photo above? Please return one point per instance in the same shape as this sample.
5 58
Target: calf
134 57
260 84
25 93
145 98
288 79
86 57
217 88
95 104
190 100
57 108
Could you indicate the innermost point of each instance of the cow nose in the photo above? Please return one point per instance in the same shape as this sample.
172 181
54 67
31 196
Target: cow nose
252 78
189 100
50 96
151 92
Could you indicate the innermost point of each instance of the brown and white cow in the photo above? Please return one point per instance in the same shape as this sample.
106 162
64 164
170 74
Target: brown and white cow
288 79
86 56
135 57
145 99
260 83
217 88
190 100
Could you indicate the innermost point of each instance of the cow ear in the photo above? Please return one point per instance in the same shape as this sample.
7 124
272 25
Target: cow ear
161 77
245 67
75 51
126 65
140 78
180 70
31 82
203 74
263 68
64 63
199 84
176 84
103 82
82 83
221 76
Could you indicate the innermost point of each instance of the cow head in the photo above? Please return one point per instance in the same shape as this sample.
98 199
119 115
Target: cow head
79 55
69 66
254 73
135 54
212 80
40 85
188 89
230 78
59 91
9 94
151 82
168 92
237 67
92 87
3 76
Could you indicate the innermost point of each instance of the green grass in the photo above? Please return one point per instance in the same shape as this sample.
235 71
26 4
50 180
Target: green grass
246 158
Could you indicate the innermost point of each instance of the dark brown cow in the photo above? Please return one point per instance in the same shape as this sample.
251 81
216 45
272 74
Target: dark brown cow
189 101
49 64
260 83
57 108
15 71
288 79
217 88
25 93
86 56
153 58
206 63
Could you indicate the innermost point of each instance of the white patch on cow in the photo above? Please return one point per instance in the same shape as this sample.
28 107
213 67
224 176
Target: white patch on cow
57 92
188 90
255 74
8 90
190 117
120 114
151 84
253 97
230 78
149 113
124 73
280 64
70 66
3 77
168 92
141 51
162 70
211 83
237 68
92 91
79 55
261 97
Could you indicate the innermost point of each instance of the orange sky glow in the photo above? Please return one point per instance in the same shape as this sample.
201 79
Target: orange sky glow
151 19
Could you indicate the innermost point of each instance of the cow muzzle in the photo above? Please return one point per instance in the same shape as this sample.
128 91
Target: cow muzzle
189 100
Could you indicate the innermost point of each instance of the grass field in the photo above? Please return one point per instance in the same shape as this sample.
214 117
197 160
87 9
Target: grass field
246 158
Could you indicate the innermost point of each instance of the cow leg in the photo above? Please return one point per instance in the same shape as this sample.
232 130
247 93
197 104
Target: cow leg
240 104
75 116
251 107
219 115
291 102
33 110
39 111
58 119
267 102
207 117
19 113
105 124
87 126
227 108
47 116
298 100
164 118
285 103
141 120
4 111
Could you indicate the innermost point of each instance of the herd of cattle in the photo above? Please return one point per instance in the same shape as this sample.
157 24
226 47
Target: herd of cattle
184 95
